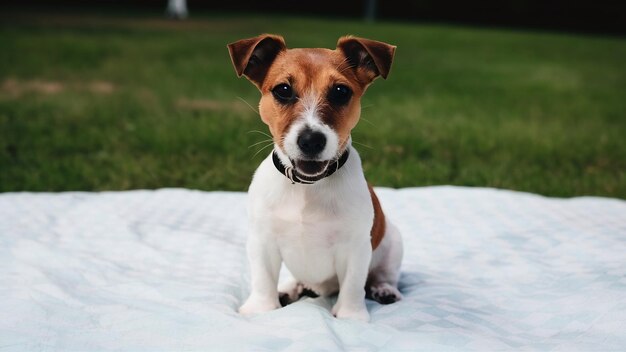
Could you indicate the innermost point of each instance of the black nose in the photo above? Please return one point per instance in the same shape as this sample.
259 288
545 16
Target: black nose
311 143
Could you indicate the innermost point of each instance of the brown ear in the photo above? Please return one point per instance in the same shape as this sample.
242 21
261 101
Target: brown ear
252 57
369 58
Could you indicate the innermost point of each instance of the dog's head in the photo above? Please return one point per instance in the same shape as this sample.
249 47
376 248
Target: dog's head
311 97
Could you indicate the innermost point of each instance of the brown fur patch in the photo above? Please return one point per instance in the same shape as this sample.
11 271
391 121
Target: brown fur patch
311 73
378 229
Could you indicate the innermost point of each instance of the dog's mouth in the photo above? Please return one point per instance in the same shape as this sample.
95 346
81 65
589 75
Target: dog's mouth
310 167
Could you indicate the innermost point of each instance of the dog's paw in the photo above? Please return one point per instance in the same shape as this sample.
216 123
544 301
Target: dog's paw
384 293
358 312
255 306
290 293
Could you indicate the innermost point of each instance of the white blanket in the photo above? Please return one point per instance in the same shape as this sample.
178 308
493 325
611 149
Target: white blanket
165 271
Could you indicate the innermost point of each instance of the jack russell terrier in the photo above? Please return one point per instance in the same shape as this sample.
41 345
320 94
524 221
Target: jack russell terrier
309 204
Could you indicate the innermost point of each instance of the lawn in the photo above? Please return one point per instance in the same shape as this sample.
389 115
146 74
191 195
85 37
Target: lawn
116 102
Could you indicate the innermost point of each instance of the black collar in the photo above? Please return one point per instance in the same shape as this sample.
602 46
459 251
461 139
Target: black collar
295 177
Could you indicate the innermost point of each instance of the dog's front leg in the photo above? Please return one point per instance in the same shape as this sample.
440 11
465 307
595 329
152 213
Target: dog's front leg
264 259
352 265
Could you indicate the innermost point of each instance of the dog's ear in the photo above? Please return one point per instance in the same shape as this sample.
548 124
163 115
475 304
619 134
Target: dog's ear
369 58
252 57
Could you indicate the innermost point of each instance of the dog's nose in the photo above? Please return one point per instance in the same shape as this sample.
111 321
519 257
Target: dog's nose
311 142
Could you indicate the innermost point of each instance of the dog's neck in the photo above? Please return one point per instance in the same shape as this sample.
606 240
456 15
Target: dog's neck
295 177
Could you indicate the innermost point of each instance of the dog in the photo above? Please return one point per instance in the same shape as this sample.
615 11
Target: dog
309 203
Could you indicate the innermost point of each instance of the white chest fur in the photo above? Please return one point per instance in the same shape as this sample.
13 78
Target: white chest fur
310 223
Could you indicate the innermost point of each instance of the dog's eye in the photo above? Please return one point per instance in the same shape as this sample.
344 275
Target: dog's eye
283 93
339 95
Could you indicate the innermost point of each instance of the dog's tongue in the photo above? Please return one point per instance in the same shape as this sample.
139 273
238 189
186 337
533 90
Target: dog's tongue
311 168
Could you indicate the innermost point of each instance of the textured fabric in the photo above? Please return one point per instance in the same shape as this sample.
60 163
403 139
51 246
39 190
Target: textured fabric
165 270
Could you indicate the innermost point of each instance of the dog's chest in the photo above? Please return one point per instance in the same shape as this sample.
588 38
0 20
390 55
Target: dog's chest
308 230
311 224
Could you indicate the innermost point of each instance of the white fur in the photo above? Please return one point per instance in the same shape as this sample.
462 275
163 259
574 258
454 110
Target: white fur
322 234
309 118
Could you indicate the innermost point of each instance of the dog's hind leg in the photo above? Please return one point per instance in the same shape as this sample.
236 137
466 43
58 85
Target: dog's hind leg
382 281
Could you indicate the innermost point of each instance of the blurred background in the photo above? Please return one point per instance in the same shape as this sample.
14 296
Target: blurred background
115 95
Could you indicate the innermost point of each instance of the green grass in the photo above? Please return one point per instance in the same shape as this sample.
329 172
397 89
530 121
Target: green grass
109 103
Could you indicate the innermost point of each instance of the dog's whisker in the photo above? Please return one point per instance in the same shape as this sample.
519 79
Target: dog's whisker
260 150
368 121
365 145
263 141
261 132
345 60
250 106
343 69
341 63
